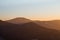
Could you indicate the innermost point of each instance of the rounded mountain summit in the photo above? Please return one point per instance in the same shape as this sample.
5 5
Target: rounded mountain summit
19 20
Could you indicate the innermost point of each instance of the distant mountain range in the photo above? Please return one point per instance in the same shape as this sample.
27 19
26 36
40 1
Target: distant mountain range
30 30
55 24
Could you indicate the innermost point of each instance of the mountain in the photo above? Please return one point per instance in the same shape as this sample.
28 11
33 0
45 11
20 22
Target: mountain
19 20
27 31
55 24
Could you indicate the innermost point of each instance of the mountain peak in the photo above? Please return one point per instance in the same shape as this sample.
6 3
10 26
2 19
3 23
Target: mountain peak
19 20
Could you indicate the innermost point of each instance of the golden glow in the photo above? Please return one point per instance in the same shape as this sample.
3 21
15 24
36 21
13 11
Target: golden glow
32 18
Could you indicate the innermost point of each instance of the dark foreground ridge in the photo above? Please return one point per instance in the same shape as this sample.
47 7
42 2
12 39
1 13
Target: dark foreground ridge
27 31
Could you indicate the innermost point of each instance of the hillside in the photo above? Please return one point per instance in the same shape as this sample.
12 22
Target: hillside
55 24
27 31
19 20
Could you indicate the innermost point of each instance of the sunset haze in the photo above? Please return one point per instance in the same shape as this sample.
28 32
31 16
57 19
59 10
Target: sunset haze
31 9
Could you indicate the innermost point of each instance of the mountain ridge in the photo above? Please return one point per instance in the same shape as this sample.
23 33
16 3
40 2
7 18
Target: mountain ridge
53 24
27 31
19 20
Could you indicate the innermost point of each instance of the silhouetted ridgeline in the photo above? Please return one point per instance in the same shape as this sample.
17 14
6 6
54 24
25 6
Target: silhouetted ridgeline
55 24
27 31
19 20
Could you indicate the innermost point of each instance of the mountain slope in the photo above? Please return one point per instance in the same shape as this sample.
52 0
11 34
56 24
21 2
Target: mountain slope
27 31
19 20
55 24
49 24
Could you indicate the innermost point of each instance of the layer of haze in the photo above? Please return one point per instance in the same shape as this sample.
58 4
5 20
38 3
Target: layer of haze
32 9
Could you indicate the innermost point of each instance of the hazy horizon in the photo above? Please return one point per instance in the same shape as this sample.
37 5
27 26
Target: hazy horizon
31 19
31 9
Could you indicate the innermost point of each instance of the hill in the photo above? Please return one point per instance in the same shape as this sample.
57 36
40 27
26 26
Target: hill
55 24
19 20
27 31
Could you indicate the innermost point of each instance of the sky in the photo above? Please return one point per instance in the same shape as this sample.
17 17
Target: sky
31 9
